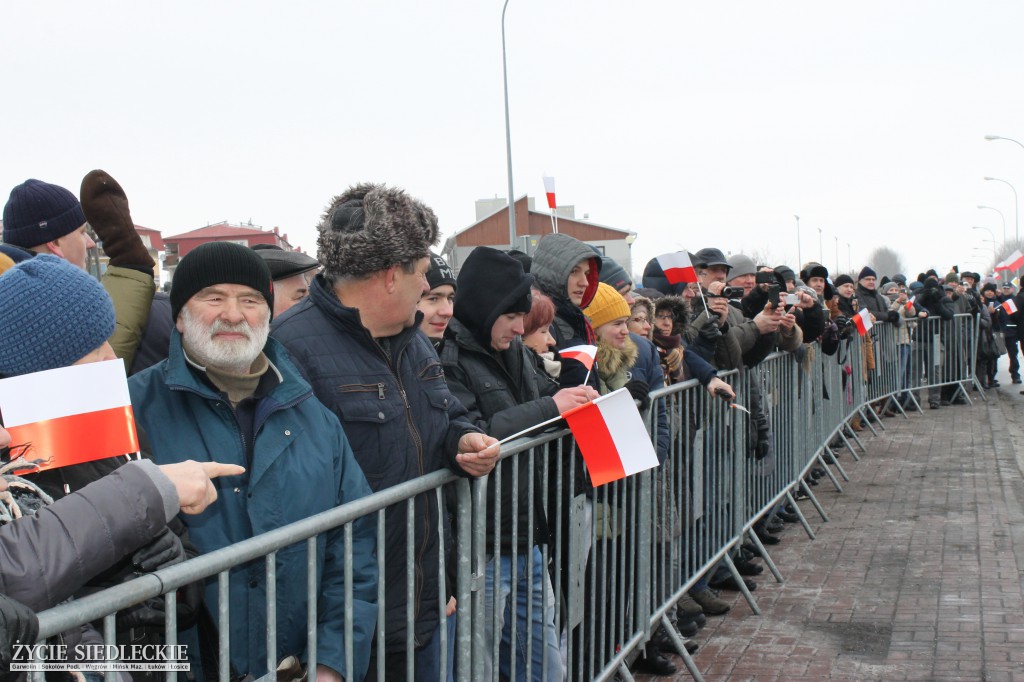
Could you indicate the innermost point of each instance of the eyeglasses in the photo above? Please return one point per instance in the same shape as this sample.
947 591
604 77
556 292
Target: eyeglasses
664 316
641 320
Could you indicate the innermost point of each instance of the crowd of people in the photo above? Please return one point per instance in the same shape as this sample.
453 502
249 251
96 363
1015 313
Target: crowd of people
268 386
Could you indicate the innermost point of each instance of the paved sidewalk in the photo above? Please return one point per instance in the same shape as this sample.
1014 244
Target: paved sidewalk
918 574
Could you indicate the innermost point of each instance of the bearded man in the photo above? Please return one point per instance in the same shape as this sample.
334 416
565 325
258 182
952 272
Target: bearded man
228 392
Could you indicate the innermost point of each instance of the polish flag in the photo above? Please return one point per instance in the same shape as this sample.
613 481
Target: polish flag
910 303
582 354
1014 261
70 415
863 321
549 189
677 267
1009 306
612 438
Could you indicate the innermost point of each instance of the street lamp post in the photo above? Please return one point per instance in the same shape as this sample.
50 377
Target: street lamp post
508 139
1016 211
993 208
990 241
849 258
837 253
821 253
1008 139
799 258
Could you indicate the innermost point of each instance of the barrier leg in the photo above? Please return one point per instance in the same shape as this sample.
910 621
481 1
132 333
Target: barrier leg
960 390
849 446
828 472
892 400
677 642
981 390
800 515
814 500
743 587
853 434
624 673
917 403
867 421
767 557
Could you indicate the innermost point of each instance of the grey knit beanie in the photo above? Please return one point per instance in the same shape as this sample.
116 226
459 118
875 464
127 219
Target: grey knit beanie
372 227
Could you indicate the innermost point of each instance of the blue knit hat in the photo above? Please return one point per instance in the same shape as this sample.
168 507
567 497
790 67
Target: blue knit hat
52 314
38 212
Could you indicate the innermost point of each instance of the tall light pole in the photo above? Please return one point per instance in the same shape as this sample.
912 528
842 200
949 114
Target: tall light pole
799 258
991 241
993 208
849 257
837 253
508 139
1016 211
821 253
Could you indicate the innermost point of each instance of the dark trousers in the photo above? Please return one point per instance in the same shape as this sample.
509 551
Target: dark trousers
1011 350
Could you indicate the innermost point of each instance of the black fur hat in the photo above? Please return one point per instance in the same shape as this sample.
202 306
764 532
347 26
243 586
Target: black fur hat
372 227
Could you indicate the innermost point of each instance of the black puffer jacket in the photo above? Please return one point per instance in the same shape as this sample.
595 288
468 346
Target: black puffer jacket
503 396
402 423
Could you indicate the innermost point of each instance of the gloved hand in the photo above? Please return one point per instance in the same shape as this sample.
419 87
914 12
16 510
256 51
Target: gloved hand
106 208
641 392
164 550
18 625
710 333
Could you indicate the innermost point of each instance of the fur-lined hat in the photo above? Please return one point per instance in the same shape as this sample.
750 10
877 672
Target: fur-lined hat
372 227
678 307
645 304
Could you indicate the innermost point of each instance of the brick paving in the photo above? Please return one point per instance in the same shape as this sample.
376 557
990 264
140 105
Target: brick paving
918 574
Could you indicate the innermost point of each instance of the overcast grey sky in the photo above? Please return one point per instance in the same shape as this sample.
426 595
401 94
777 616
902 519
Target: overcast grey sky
692 124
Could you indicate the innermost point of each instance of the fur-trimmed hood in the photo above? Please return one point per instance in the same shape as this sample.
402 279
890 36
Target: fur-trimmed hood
614 363
644 303
371 227
679 308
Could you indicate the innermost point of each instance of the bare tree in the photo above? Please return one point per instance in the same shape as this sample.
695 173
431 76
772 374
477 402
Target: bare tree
885 261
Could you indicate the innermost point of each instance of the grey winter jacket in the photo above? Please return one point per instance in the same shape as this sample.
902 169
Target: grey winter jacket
47 557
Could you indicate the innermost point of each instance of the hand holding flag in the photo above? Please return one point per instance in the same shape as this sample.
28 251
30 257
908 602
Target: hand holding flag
863 322
1009 306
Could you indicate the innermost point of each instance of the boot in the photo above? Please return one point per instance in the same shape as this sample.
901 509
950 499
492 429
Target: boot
856 424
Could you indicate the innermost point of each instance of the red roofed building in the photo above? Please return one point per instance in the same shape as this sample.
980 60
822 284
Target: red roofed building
247 235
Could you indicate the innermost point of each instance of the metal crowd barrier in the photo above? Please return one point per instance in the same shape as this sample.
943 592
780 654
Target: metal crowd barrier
590 574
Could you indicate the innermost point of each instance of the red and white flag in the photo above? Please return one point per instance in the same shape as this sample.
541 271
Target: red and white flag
863 321
549 189
1009 306
612 437
583 354
677 267
1015 261
70 415
910 303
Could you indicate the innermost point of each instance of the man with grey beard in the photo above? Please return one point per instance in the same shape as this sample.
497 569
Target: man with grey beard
229 393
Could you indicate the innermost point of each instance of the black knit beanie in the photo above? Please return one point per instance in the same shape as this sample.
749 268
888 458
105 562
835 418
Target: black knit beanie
843 279
491 283
219 263
866 272
440 272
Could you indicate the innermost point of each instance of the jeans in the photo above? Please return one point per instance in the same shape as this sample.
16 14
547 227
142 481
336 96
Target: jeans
904 350
541 632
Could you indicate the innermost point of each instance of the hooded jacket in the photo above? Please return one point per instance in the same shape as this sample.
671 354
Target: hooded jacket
556 256
402 423
503 394
301 465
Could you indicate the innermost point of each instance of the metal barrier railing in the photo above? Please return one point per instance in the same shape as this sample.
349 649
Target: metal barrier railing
553 579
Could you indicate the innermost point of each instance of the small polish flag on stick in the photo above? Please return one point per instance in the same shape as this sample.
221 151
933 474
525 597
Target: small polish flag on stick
910 303
1009 306
611 435
582 354
70 415
863 321
549 189
677 267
